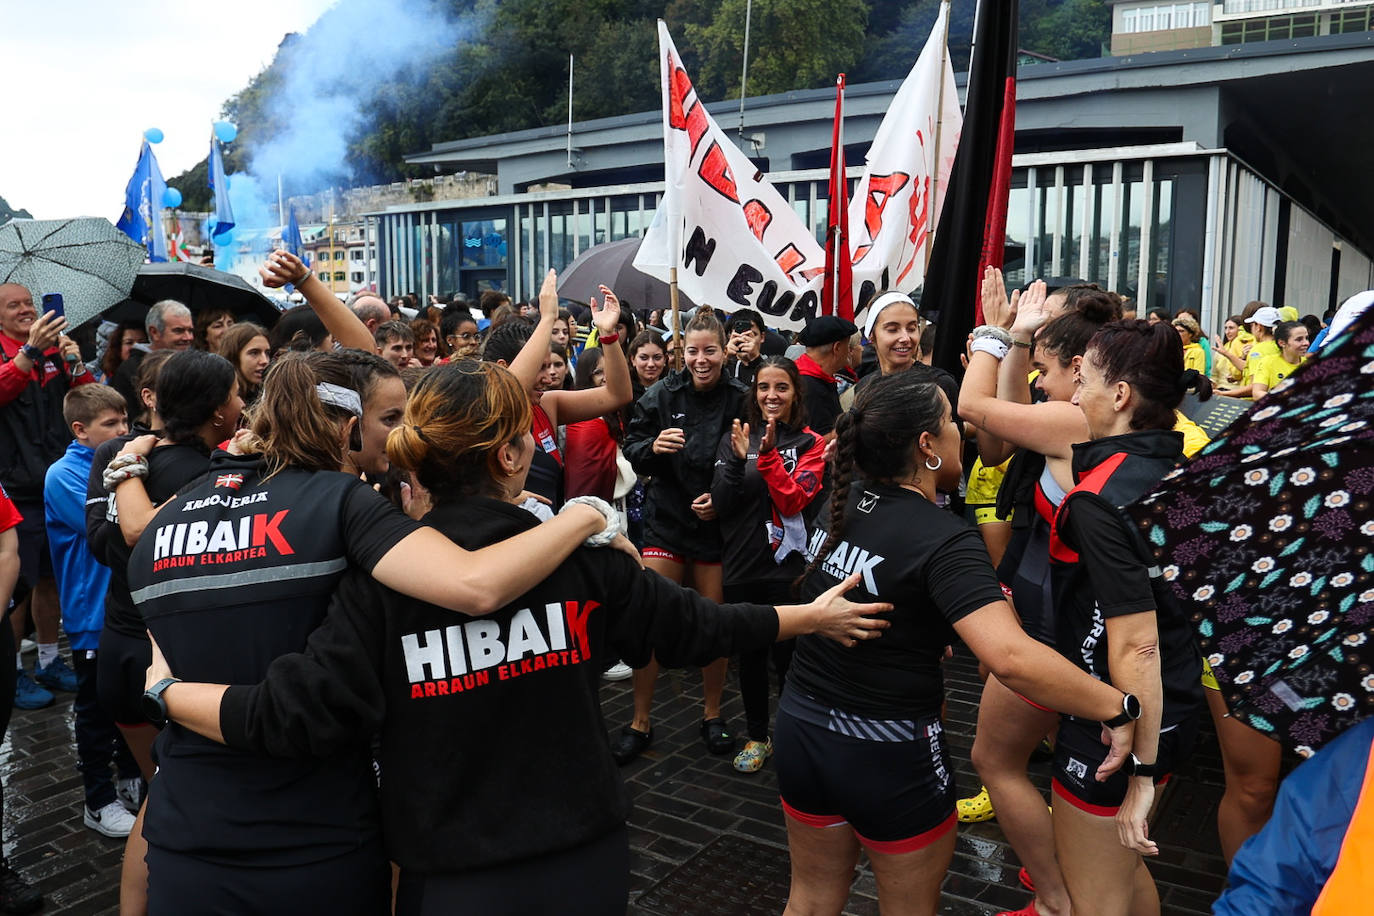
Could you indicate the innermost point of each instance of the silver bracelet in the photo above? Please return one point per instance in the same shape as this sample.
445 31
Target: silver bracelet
607 534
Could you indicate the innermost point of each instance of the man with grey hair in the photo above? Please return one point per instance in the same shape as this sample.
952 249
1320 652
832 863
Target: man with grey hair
170 327
370 308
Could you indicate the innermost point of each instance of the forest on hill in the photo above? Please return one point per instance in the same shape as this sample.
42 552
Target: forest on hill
370 82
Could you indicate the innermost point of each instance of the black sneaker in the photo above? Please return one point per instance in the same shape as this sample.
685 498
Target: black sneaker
630 744
16 894
716 736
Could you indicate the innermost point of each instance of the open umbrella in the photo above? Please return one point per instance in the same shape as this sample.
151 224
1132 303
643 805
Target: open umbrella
1265 537
612 263
90 262
199 288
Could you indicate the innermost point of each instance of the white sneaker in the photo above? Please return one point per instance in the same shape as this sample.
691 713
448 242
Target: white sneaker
111 820
27 645
130 793
618 672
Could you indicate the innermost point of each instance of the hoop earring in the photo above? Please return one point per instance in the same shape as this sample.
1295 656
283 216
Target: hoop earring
939 463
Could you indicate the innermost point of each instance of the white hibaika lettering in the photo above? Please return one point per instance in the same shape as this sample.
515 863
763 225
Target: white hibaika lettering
437 654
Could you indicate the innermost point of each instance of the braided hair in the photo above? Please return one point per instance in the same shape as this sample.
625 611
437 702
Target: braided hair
879 437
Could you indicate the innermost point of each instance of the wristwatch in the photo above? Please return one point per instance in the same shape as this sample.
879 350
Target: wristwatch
1130 711
34 354
1135 768
153 706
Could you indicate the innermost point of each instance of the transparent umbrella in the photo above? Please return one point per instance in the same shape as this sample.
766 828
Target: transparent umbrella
90 262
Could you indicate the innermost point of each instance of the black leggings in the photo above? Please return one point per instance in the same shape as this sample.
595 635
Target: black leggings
354 884
753 664
591 880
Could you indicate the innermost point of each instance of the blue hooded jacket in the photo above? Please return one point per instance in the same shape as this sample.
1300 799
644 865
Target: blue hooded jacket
81 580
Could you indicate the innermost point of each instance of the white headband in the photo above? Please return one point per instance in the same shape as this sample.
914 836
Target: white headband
877 305
338 396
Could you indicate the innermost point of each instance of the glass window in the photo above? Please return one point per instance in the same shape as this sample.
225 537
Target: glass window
584 224
561 230
356 276
1128 20
1161 245
340 276
600 228
1044 242
484 243
1100 245
324 276
1073 221
1129 221
449 255
1018 217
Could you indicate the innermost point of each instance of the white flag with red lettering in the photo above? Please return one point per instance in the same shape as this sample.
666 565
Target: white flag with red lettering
735 241
890 210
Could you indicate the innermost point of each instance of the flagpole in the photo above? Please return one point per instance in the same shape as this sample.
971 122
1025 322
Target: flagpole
839 230
939 124
744 72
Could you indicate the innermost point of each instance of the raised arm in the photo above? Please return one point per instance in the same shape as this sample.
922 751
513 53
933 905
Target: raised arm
571 406
530 359
348 330
1050 428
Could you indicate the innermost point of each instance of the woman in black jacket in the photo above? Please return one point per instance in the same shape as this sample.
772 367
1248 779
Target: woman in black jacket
529 815
672 440
238 569
765 485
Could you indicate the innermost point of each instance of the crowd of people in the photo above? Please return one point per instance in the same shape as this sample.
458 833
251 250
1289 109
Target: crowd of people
298 567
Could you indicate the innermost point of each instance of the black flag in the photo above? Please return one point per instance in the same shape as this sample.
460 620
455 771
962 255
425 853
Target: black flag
952 283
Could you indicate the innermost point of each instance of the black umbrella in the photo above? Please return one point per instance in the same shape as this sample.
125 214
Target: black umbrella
200 288
1265 538
612 263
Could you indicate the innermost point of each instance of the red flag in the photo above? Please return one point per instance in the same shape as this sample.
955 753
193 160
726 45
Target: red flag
837 295
995 228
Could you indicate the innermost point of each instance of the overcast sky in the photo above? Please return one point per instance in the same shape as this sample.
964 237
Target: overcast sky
84 78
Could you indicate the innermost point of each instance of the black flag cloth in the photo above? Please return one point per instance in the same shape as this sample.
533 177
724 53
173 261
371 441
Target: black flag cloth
952 281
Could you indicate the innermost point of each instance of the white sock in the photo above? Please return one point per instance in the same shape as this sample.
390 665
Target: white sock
47 653
19 661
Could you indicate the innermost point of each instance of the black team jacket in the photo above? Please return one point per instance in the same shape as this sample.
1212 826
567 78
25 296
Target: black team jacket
493 748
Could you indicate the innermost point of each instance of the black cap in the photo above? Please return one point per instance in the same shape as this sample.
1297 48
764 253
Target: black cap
826 330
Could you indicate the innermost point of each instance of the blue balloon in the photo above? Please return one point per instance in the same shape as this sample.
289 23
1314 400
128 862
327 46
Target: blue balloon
171 198
225 131
152 135
224 239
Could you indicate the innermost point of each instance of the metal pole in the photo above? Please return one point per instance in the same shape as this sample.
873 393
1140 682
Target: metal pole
570 100
676 356
744 73
281 212
939 124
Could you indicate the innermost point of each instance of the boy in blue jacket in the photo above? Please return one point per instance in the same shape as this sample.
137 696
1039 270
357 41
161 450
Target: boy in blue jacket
95 414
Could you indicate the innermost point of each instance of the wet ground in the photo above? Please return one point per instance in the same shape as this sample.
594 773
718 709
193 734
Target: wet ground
705 839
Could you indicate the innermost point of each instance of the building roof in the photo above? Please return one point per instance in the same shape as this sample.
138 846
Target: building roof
1296 111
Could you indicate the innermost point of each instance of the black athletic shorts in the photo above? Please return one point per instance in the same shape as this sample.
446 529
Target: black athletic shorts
1079 751
35 562
121 668
890 780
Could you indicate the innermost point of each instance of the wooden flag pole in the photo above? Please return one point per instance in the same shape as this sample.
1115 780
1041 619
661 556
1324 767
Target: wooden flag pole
939 124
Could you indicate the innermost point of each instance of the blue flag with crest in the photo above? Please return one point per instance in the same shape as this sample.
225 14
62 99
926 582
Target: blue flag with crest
222 220
142 217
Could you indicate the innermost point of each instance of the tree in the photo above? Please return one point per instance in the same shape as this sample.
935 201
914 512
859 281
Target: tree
793 44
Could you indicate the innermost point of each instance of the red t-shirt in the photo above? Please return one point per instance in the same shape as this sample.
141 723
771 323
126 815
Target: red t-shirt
9 515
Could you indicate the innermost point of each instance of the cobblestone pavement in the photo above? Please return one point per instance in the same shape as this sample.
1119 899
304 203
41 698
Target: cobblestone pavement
705 839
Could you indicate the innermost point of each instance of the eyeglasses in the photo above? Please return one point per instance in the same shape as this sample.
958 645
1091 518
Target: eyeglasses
463 336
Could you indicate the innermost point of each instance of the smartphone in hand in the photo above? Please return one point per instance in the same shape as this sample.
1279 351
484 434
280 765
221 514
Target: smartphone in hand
52 302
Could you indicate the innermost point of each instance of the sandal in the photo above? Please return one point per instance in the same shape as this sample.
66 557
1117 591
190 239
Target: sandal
975 810
750 760
1024 877
716 736
630 744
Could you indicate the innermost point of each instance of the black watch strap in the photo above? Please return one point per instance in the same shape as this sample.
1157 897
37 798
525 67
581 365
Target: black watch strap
1137 768
1130 711
154 706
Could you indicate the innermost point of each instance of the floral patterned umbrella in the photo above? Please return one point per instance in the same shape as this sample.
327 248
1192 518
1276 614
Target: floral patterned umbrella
1265 538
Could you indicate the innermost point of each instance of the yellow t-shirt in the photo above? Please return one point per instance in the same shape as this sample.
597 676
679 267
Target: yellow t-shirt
1258 353
1272 370
1194 357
